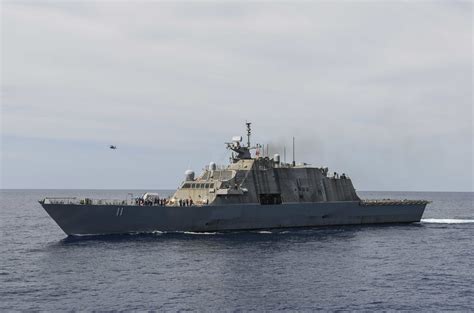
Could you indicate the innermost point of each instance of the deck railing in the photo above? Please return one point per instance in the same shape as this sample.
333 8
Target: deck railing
82 201
126 202
368 202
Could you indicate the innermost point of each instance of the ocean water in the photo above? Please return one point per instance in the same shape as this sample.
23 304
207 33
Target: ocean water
425 266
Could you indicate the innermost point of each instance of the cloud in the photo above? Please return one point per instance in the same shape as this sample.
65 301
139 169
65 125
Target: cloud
391 82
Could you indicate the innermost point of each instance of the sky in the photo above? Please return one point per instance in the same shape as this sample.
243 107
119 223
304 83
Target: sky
382 91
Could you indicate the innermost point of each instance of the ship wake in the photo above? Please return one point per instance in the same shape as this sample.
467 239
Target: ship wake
446 221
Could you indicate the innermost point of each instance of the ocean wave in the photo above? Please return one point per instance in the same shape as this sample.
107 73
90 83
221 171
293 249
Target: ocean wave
199 233
446 221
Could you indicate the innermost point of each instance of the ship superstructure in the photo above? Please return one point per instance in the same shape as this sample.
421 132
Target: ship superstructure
263 180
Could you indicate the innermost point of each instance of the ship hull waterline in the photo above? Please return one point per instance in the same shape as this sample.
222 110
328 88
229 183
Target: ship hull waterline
83 220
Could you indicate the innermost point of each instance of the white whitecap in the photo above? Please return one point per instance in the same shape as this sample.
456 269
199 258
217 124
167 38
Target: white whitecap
446 221
264 232
198 233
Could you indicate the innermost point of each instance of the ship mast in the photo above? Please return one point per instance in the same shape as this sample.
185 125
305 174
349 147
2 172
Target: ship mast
248 134
293 152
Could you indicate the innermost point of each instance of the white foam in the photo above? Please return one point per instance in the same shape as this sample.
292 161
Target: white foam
264 232
198 233
446 221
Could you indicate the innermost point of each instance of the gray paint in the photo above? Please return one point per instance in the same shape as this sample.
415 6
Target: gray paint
103 219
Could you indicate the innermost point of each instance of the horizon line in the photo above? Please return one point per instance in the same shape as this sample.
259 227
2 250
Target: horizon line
166 189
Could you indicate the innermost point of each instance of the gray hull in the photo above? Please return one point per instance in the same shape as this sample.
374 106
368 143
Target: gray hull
113 219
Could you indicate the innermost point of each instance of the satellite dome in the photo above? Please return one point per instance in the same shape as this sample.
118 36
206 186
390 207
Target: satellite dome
189 174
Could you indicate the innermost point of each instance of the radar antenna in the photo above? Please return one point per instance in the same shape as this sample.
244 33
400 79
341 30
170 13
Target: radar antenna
249 132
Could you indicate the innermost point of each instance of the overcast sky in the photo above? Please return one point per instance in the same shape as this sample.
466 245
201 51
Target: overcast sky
379 90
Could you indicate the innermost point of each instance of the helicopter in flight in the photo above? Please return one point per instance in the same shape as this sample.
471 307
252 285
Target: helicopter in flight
113 147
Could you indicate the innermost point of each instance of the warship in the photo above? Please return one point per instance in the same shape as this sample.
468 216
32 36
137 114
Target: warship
253 192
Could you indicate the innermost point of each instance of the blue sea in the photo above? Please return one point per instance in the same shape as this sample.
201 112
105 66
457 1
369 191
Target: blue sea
426 266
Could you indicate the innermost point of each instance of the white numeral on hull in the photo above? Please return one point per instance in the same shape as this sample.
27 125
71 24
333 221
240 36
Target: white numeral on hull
119 211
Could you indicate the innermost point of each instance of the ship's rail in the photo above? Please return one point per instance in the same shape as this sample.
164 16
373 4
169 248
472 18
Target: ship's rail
116 202
83 201
132 202
381 202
